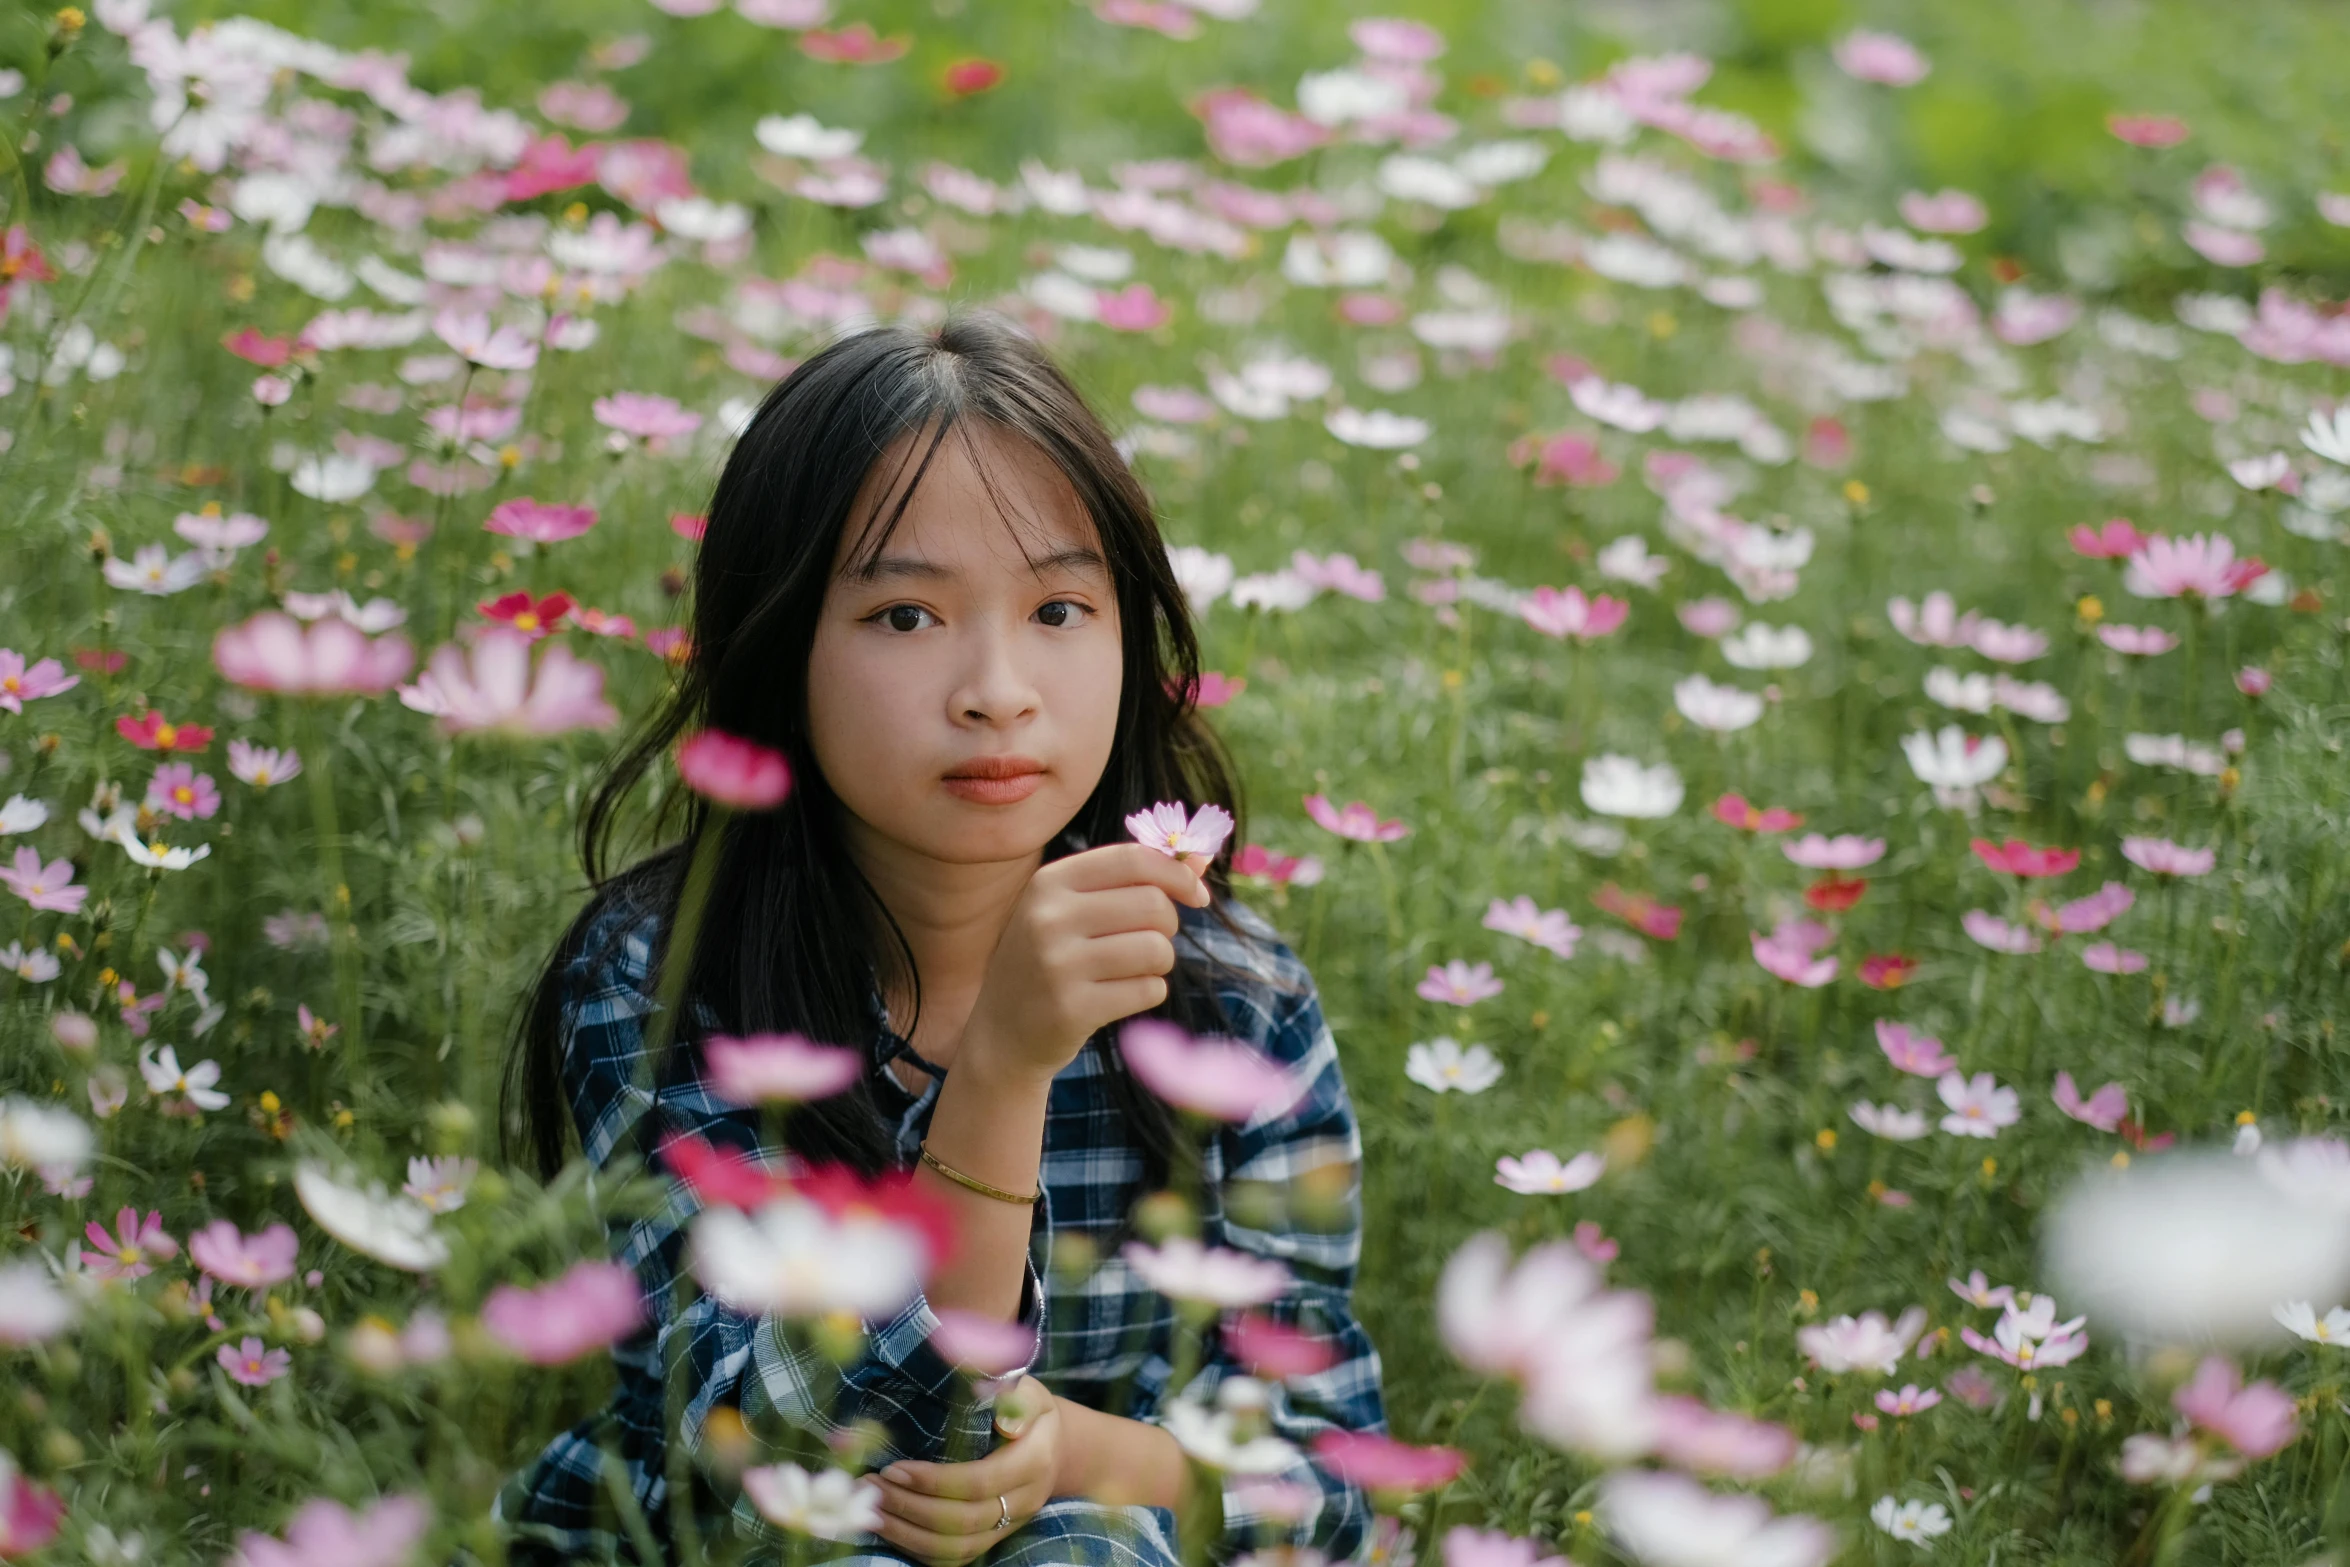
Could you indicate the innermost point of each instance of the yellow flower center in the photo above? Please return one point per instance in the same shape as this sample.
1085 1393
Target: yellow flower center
526 621
167 735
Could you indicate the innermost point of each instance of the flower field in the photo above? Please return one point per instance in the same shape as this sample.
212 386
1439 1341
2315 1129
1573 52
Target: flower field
1773 572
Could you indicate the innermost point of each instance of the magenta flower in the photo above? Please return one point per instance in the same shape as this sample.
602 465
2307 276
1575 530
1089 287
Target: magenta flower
20 684
1570 614
2106 958
324 1532
2256 1421
1466 1546
1459 983
179 790
1978 1106
1540 1173
2018 858
254 1363
2202 566
1193 837
496 691
1718 1442
134 1248
260 765
30 1515
1790 952
1222 1079
1549 929
1989 930
1911 1400
2116 539
1355 820
646 415
541 522
2255 681
252 1262
730 771
2137 641
1134 308
1381 1463
591 1307
2084 915
1920 1055
1887 59
2104 1109
777 1068
329 657
47 886
1846 852
2165 858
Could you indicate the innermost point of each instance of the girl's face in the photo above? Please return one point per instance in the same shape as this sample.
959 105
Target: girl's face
963 687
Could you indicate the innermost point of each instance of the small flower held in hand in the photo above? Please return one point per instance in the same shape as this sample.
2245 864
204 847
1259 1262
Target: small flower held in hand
1194 838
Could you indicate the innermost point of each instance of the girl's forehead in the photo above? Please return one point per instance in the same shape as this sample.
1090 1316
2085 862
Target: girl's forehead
983 499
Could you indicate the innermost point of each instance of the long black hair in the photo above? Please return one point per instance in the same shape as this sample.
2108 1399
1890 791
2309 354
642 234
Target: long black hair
793 938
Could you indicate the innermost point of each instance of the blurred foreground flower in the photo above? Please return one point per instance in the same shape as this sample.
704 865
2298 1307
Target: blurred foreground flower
494 691
592 1306
794 1259
323 1531
329 657
1669 1520
830 1504
1222 1079
394 1231
734 772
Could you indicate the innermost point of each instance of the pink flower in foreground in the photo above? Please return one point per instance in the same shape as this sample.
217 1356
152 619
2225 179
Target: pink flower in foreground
2106 958
2165 858
1846 852
493 689
1193 837
1381 1463
2115 539
2104 1109
1920 1055
734 772
592 1306
2018 858
30 1515
254 1363
1219 1078
324 1532
1465 1546
1276 1351
20 683
1979 1107
45 886
1911 1400
1134 308
646 415
1459 983
2256 1421
1885 58
2147 130
1539 1172
2202 566
179 790
541 522
1570 614
1712 1441
1353 820
251 1262
330 657
981 1344
134 1248
777 1068
1789 953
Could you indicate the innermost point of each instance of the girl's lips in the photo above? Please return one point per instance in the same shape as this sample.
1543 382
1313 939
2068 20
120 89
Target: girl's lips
994 785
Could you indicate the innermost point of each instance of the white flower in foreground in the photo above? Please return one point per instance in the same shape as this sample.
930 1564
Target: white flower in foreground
165 1077
1541 1172
35 1136
22 815
1442 1066
830 1504
1758 646
2313 1170
1723 709
392 1230
1863 1343
2329 436
1890 1122
157 856
1953 759
1580 1350
1669 1520
1376 428
2300 1319
332 478
1912 1523
1233 1436
32 1307
1620 786
793 1259
1183 1269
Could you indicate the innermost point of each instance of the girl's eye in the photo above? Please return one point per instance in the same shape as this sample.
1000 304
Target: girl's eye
903 617
1063 613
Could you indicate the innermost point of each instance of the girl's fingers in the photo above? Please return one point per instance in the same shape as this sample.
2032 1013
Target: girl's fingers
1127 955
939 1515
1126 908
1130 864
928 1545
1017 1464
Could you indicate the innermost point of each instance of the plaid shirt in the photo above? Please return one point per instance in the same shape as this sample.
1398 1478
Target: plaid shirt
1103 1339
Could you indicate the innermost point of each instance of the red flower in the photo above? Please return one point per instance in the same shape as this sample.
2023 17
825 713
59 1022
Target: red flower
719 1175
1640 911
965 77
1732 810
1887 970
855 44
101 660
2134 1134
688 525
1275 1350
893 1197
533 617
2018 858
1834 894
157 733
249 345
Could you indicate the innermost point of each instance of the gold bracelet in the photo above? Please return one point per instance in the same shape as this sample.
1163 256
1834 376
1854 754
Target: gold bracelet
972 1183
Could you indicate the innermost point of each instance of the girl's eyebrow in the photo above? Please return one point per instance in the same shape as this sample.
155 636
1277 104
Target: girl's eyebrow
1073 557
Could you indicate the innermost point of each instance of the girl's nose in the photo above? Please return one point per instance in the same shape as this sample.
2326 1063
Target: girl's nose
995 688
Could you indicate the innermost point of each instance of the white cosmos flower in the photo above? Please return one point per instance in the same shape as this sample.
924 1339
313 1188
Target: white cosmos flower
22 815
1953 759
34 1136
1628 560
332 477
1442 1066
1349 258
1723 709
2329 436
1912 1523
830 1504
1427 180
1283 589
1890 1122
1757 646
1670 1520
2302 1320
1233 1437
793 1259
1203 574
392 1230
32 1307
165 1076
1183 1269
1337 97
1613 403
802 136
155 571
1620 786
155 856
298 259
1375 428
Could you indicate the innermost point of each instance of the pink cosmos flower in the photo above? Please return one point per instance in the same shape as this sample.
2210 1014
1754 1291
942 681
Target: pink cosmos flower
2115 539
1640 911
2137 641
1381 1463
2202 566
2165 858
48 886
2007 644
2257 1421
2083 915
2020 859
134 1248
1934 623
1944 212
1459 983
1222 1079
1253 861
251 1262
1846 852
2029 1339
1549 929
2147 130
646 415
1467 1546
262 766
1977 1290
2254 681
20 683
1717 1442
323 1532
2103 1110
1978 1106
541 522
1733 810
1708 617
472 337
1885 58
1570 614
2106 958
329 657
1572 460
1989 930
179 790
777 1068
1353 820
1193 837
1911 1400
1339 573
254 1363
1539 1172
740 774
1864 1343
1789 953
1134 308
1920 1055
1594 1243
591 1307
1972 1388
982 1345
494 690
30 1515
1213 690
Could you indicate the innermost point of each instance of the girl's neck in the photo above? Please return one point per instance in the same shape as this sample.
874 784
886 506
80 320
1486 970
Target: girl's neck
952 915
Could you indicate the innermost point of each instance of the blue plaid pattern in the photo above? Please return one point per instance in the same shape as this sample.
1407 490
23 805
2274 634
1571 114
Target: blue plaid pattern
1284 1186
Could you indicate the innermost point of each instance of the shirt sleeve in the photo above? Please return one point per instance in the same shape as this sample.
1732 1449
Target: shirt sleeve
1289 1188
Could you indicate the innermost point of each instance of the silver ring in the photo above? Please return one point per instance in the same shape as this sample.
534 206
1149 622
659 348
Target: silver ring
1003 1513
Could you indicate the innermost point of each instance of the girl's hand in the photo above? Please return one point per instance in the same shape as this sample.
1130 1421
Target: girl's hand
948 1514
1090 941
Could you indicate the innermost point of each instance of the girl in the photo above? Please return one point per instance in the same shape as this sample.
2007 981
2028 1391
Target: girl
931 582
